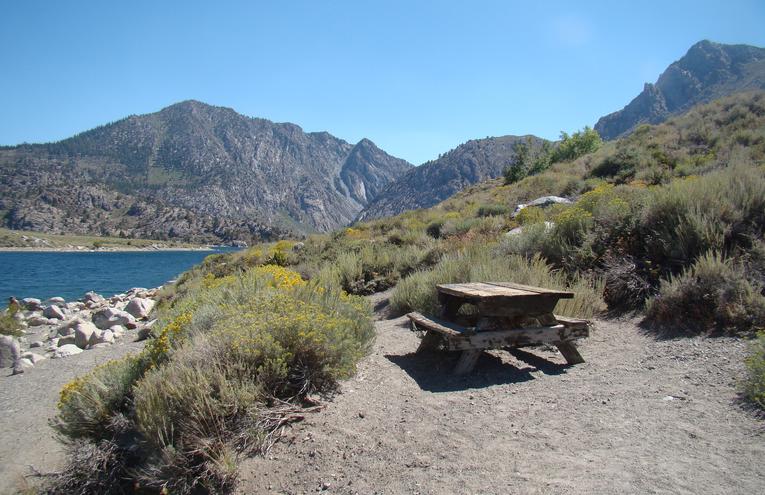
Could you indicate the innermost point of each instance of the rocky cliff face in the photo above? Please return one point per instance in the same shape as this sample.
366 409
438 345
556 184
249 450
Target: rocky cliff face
424 186
708 71
197 171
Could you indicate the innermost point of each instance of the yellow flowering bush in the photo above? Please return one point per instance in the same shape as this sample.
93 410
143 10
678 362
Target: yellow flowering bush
87 403
157 350
530 215
291 342
281 278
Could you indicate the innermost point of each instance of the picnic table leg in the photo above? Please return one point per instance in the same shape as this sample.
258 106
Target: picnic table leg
429 341
449 306
467 361
570 353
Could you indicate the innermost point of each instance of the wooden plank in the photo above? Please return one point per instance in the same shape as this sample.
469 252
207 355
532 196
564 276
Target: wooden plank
481 290
570 352
539 290
530 305
499 289
445 327
518 337
573 322
467 361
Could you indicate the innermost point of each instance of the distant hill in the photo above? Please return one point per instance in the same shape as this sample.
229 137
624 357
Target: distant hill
708 71
192 171
424 186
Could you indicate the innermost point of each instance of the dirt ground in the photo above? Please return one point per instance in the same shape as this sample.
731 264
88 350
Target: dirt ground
28 401
640 416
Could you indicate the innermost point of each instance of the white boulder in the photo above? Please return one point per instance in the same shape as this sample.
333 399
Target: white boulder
118 331
10 351
55 301
66 351
542 202
93 297
34 358
105 337
140 307
109 317
53 312
37 320
31 303
84 334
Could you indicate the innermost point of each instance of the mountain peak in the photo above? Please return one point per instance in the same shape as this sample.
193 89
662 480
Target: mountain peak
474 161
211 163
365 143
708 70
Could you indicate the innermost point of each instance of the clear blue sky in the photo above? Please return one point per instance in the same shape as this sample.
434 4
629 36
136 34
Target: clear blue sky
418 78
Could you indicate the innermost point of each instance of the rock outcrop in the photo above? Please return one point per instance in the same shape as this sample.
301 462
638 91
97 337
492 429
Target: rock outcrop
708 71
432 182
192 172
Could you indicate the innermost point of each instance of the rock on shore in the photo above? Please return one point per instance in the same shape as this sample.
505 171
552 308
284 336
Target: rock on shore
57 329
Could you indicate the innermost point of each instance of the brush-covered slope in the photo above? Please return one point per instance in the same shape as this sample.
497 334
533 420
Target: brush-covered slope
192 170
708 71
424 186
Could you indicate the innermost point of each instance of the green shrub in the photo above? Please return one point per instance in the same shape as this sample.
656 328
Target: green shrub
530 215
202 408
89 403
713 294
434 229
575 145
754 385
232 357
93 467
621 165
695 215
350 271
9 325
458 227
534 238
194 419
492 210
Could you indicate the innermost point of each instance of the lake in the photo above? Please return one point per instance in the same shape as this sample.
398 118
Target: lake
70 275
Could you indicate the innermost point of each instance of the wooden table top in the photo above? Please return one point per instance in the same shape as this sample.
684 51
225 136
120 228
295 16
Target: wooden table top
490 290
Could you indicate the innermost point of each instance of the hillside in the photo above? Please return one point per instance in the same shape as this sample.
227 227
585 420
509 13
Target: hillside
424 186
192 171
706 72
664 226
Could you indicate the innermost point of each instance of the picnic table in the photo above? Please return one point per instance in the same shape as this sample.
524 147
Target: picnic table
504 315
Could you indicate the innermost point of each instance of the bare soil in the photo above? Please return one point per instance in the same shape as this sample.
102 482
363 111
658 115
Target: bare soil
27 403
642 415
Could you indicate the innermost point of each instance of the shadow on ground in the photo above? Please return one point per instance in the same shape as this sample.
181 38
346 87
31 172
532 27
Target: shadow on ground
433 370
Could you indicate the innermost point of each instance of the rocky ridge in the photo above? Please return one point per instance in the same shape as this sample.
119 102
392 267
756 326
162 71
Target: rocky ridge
474 161
193 172
706 72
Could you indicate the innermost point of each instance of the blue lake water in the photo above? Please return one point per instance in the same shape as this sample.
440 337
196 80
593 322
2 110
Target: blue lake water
70 275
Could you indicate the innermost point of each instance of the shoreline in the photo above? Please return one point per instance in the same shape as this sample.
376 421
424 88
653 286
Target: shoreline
99 250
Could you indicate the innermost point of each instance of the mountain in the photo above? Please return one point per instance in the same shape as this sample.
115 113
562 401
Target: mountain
708 71
432 182
192 171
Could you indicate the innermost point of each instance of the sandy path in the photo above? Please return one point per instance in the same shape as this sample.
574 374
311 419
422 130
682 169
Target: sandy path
28 401
518 424
641 416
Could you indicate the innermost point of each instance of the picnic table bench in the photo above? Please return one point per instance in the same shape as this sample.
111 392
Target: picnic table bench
505 315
